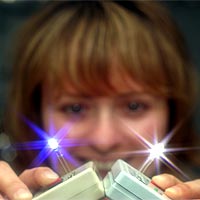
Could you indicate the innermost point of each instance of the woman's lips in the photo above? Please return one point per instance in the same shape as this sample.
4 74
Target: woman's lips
102 165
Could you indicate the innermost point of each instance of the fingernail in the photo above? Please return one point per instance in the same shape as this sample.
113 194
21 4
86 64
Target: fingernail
22 194
51 175
158 179
172 191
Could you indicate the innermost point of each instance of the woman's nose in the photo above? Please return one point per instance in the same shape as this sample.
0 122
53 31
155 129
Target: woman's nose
105 135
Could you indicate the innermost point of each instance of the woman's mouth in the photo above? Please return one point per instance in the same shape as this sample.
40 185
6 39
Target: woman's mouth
102 166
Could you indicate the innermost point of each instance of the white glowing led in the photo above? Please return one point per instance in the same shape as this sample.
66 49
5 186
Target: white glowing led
156 151
53 143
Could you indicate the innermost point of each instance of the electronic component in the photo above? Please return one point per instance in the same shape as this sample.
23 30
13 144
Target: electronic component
127 183
82 183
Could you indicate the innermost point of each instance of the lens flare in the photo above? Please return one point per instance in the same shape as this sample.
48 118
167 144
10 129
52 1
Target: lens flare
157 152
52 144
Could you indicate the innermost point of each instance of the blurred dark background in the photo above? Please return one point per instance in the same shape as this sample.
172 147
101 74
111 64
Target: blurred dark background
14 12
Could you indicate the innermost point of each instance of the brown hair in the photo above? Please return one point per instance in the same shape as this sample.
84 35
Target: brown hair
78 42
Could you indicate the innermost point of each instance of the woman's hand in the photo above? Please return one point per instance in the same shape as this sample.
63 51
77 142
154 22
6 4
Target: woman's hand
15 187
176 189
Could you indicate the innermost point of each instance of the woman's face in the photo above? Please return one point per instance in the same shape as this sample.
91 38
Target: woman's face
107 126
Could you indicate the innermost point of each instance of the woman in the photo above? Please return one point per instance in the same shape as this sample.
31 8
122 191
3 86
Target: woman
118 73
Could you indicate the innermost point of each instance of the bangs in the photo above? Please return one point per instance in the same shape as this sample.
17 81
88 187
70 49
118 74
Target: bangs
104 41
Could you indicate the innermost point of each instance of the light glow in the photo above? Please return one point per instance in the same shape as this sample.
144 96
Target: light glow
156 152
53 143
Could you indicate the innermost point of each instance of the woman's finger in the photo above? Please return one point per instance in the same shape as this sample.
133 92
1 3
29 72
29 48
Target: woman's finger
11 185
38 177
165 181
187 190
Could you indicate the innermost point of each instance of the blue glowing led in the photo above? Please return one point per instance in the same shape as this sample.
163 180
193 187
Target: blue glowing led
50 143
53 143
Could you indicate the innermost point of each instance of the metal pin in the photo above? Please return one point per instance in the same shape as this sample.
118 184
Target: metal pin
145 165
63 162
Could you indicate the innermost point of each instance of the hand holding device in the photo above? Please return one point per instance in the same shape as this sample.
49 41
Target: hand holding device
82 183
123 182
127 183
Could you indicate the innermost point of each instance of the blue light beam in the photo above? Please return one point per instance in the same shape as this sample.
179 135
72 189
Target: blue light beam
51 143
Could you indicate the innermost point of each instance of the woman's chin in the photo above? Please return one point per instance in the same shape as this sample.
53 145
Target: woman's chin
103 173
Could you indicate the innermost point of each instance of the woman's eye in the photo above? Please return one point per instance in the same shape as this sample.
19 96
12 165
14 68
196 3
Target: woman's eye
134 106
74 108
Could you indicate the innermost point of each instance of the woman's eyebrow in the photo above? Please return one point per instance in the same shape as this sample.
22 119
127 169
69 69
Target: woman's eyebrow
120 95
74 96
132 94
